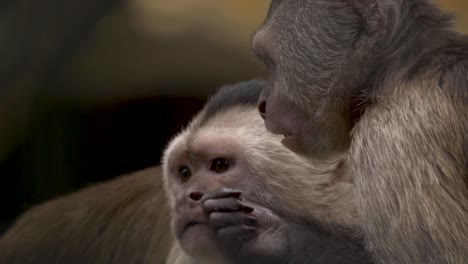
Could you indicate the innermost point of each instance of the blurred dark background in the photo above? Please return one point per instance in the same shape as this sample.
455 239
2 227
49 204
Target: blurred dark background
90 89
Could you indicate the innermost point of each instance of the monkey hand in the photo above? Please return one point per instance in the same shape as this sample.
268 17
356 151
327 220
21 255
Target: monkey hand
247 232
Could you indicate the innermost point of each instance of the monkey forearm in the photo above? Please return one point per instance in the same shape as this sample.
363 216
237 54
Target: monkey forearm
309 243
418 210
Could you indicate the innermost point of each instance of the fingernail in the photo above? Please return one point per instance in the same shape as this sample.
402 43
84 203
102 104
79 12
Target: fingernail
246 209
235 195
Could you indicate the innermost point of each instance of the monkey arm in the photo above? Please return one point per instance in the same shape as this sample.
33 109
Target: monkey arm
250 233
312 243
417 176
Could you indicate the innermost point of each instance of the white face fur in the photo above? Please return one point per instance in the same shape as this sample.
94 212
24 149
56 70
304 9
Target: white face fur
201 160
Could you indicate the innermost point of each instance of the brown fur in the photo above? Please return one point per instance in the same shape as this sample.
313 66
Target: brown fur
126 220
276 178
121 221
433 198
408 144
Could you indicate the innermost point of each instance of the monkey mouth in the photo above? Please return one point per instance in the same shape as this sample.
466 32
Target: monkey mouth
278 128
293 143
287 135
288 139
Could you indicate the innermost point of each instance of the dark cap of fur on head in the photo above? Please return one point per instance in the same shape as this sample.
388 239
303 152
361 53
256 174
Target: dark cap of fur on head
239 94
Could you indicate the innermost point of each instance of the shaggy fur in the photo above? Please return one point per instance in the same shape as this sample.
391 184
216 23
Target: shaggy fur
121 221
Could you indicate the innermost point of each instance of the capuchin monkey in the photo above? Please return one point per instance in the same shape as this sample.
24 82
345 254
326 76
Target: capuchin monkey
124 220
388 81
237 195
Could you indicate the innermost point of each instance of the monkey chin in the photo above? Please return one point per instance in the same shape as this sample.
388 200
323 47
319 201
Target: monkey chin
198 240
323 149
296 144
292 138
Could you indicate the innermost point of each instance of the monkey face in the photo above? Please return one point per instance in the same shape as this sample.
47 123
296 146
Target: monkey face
194 172
310 76
329 127
285 118
199 163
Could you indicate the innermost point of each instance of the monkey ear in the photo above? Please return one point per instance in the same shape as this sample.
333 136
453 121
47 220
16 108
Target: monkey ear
373 21
371 13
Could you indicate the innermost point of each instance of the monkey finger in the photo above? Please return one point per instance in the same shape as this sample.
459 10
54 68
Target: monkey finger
262 215
232 219
225 205
222 193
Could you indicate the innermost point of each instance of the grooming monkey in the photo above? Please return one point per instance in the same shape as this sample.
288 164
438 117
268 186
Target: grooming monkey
388 81
237 195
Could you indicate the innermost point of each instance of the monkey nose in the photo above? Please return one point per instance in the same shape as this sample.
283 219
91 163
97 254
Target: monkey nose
196 196
262 108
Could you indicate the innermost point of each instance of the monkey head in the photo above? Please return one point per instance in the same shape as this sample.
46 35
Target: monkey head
317 56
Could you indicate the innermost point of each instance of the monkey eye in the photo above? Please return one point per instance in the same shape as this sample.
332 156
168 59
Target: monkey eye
184 173
219 165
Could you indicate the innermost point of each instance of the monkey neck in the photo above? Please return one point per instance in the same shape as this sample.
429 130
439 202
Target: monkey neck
408 39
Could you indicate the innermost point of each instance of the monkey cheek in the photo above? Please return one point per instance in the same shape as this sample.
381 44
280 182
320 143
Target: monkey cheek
198 240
